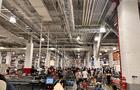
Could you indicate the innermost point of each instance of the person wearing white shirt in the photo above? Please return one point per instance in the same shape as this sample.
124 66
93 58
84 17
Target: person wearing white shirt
85 74
2 85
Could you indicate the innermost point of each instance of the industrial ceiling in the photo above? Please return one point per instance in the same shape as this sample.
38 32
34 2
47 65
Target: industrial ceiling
59 22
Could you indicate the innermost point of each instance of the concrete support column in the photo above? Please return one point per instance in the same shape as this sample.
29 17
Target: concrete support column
0 58
129 34
47 60
61 62
56 61
88 60
111 59
8 58
96 58
28 57
84 62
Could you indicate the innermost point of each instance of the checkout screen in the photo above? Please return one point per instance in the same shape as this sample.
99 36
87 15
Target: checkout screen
49 80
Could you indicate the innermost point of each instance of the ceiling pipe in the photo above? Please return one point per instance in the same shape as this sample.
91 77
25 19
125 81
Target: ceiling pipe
102 12
92 10
16 24
66 18
84 5
72 23
50 49
89 12
27 22
86 11
35 27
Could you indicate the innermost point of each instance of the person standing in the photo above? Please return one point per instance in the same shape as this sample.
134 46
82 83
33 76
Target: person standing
85 74
78 75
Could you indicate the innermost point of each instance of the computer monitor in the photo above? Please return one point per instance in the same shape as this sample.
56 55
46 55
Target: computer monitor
49 80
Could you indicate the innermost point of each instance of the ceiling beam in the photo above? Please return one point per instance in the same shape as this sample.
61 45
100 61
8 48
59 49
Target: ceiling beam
50 49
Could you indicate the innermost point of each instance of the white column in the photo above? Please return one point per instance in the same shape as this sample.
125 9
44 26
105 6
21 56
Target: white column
84 62
129 32
97 63
88 60
48 57
61 62
96 58
111 59
58 61
28 57
8 58
0 58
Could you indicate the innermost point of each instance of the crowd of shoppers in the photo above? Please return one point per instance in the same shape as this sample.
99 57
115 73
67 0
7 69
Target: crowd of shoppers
83 77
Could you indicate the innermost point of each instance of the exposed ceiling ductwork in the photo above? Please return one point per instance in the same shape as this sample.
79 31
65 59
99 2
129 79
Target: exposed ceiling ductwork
41 9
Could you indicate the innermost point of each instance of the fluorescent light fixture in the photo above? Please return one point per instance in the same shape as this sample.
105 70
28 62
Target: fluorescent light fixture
13 53
100 53
2 48
42 39
52 48
102 30
78 49
114 48
96 38
78 56
105 50
21 37
78 38
25 48
12 19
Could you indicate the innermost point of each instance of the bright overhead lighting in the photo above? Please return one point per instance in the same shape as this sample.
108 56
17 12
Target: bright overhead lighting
13 53
2 48
21 37
78 38
96 38
100 53
12 19
52 48
42 39
102 30
105 50
114 48
78 56
25 48
78 49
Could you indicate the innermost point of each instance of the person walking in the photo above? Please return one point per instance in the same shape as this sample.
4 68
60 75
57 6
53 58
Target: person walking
78 75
